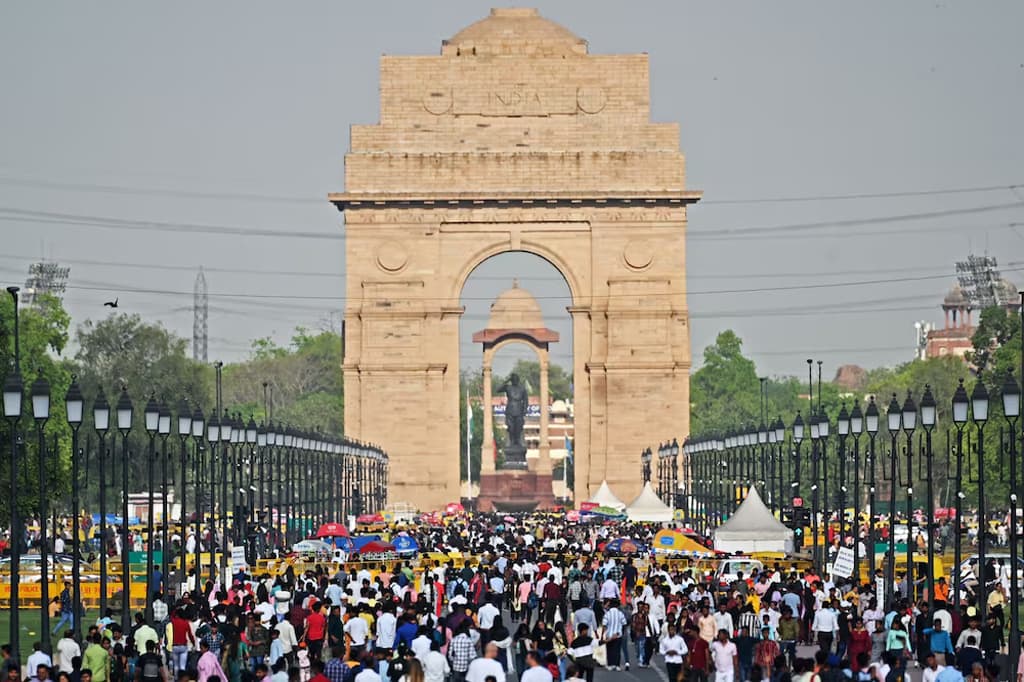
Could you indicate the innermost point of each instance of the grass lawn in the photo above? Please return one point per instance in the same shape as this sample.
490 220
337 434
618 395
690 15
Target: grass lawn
30 631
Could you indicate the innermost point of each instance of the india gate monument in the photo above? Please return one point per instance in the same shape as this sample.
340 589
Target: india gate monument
515 138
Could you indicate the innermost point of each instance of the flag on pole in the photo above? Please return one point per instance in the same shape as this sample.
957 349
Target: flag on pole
568 448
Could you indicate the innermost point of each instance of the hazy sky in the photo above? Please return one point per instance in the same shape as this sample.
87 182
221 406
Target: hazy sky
235 115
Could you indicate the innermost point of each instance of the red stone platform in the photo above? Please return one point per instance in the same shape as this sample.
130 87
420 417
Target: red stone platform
514 491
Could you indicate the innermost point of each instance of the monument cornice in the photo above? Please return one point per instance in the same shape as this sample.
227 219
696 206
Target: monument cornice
372 200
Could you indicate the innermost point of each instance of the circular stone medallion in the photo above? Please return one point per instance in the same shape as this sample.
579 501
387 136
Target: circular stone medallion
590 100
638 254
392 257
438 101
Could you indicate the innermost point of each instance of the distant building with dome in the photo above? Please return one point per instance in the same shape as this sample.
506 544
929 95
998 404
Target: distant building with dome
959 324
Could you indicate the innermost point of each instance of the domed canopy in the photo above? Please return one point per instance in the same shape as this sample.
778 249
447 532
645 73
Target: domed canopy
516 312
955 298
1008 293
514 30
514 309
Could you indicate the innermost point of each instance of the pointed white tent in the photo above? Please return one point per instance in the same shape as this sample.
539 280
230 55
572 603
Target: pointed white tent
648 507
753 529
604 497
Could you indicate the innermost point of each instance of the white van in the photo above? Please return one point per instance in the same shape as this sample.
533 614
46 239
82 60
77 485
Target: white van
729 570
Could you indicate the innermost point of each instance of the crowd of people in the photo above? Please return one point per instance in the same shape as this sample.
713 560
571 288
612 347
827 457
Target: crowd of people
537 601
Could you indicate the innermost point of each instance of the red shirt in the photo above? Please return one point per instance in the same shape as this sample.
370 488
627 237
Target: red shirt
699 654
181 632
316 624
320 677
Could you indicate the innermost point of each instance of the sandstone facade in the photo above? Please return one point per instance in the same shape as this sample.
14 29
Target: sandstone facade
515 138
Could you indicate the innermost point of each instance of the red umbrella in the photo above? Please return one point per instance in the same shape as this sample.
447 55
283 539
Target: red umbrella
377 547
332 530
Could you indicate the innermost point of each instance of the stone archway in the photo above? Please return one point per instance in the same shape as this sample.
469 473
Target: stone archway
515 138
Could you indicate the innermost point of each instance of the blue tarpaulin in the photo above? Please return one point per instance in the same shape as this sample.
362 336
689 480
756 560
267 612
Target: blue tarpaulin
361 541
115 519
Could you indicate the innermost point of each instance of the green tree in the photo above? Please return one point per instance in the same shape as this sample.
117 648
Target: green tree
304 386
725 391
148 359
43 334
559 381
997 344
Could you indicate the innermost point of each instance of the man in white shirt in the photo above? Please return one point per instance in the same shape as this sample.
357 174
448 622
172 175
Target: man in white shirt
609 589
931 669
67 648
674 649
723 620
724 655
38 658
435 665
421 645
357 630
387 624
334 593
825 626
486 615
535 670
482 668
287 637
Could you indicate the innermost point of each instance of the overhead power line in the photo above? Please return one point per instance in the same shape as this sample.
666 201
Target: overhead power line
552 297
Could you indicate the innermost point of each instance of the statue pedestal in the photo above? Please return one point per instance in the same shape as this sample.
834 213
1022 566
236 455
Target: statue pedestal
515 458
515 490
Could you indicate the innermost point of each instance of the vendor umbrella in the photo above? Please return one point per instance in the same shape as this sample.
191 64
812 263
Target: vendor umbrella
376 547
332 530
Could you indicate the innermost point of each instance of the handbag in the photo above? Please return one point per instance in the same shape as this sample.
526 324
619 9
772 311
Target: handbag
601 655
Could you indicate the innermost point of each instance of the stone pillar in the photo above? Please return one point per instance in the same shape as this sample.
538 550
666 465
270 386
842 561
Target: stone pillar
544 449
487 445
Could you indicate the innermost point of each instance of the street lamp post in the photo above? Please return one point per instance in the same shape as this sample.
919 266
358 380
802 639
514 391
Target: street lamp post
1011 411
73 408
815 477
124 425
198 431
779 429
645 460
674 452
856 428
164 429
960 409
871 425
212 439
101 422
227 430
151 416
41 413
909 417
826 509
13 398
928 419
979 409
893 417
843 430
184 431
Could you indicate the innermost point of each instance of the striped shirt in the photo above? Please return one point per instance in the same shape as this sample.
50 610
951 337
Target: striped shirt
614 623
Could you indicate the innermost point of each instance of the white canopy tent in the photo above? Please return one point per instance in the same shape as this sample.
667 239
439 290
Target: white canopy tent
648 507
604 497
753 529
